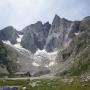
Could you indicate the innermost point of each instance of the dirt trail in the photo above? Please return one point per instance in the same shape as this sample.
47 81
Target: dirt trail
48 76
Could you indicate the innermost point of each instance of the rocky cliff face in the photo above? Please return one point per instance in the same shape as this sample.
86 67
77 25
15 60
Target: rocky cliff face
35 36
61 32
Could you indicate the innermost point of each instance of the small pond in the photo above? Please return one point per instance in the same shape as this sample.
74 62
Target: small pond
9 88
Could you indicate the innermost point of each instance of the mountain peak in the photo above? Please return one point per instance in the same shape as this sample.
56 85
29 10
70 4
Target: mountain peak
9 28
56 16
38 23
56 20
46 23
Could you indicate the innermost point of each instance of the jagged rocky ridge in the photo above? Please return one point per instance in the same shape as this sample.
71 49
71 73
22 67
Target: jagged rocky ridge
35 48
43 36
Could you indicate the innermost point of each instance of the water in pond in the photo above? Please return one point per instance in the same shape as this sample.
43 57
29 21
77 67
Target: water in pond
8 88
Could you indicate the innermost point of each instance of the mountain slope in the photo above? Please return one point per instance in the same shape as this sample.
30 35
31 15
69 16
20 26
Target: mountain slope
7 60
75 59
34 49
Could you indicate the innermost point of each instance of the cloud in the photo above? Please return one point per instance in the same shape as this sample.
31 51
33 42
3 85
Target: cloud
21 13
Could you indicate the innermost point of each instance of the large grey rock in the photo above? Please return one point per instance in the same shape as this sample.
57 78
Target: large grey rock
35 36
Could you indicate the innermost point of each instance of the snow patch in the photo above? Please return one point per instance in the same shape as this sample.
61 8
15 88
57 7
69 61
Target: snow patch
19 38
76 34
35 64
7 42
42 57
18 62
51 63
39 52
17 46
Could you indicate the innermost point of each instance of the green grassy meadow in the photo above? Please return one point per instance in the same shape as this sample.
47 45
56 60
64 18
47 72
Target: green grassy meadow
49 84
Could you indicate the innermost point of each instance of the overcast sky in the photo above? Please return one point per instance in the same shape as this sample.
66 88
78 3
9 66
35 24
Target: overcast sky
20 13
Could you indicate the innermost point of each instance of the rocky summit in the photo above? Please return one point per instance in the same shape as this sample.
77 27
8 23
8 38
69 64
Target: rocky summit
59 48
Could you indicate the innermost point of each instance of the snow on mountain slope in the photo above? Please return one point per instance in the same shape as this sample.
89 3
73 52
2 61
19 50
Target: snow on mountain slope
40 58
35 64
44 58
17 46
32 62
19 38
77 33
